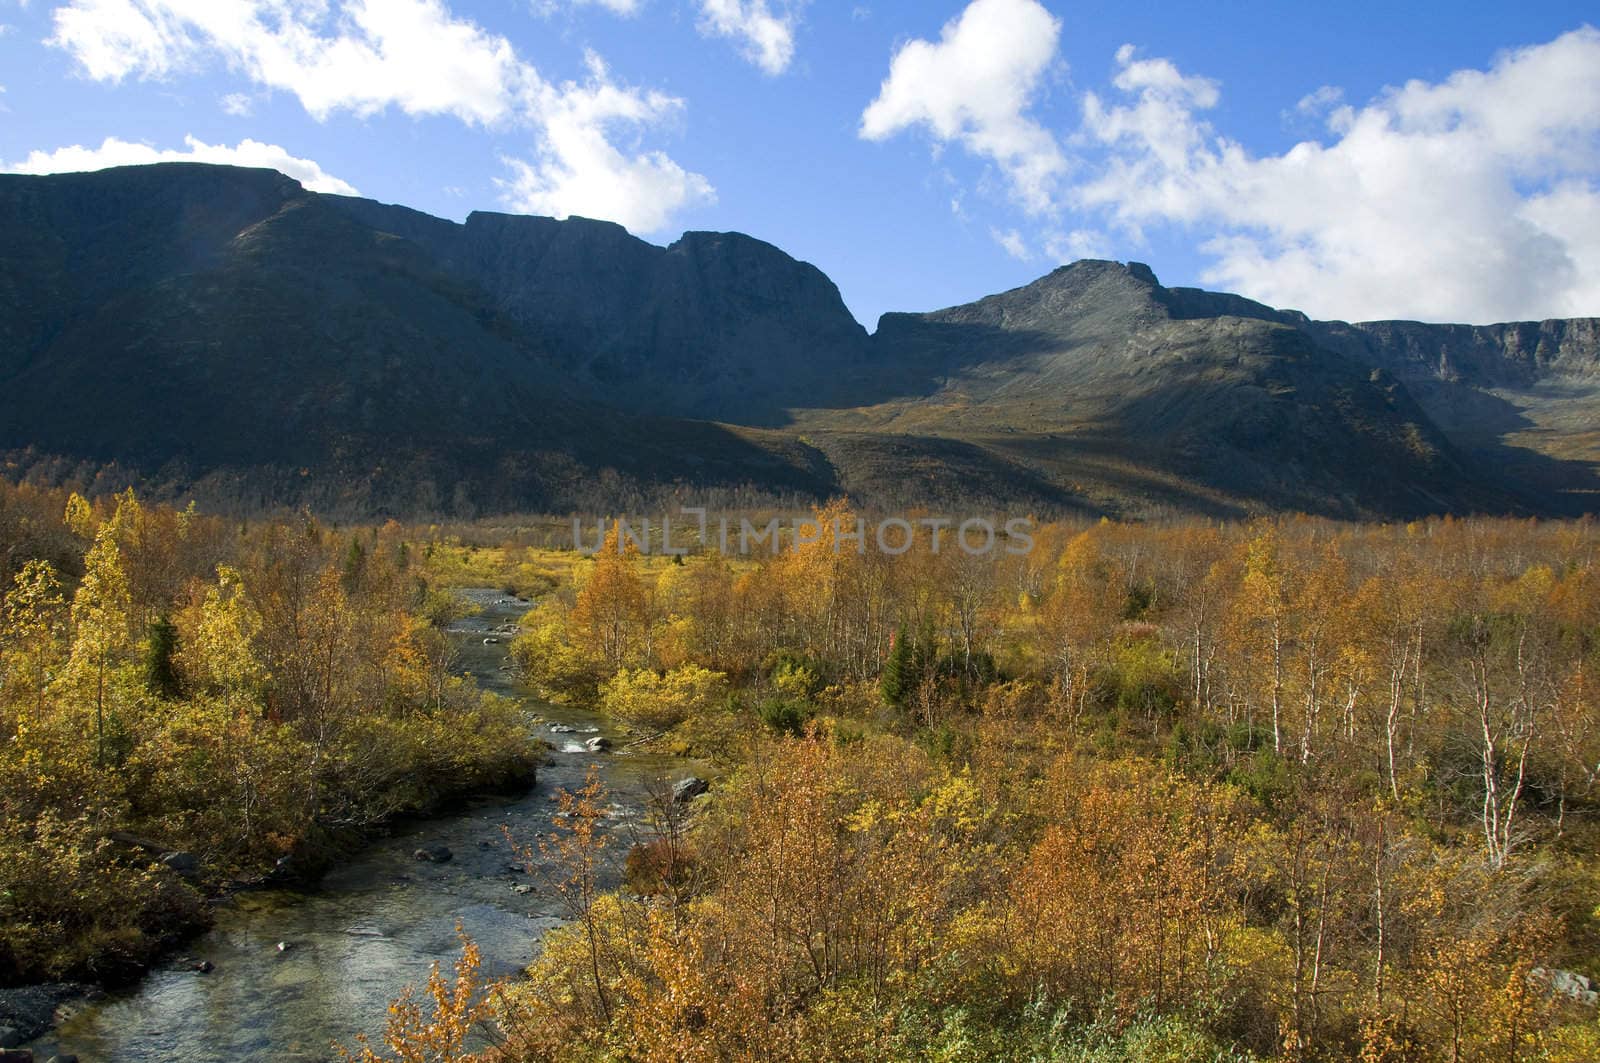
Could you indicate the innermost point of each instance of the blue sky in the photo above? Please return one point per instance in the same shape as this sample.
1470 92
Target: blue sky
1354 160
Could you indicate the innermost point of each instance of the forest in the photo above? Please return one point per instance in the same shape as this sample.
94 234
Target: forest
1286 790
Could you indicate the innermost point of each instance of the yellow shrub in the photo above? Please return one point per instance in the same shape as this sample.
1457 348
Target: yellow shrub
646 699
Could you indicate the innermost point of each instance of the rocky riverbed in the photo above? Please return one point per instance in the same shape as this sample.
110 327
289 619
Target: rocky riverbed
284 974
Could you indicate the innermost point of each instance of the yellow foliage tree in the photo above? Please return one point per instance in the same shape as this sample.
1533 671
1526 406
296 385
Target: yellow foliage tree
655 701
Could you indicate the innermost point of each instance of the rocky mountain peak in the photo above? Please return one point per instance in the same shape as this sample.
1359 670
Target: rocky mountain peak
186 320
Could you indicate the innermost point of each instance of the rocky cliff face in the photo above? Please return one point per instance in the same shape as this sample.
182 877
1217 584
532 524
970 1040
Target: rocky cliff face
718 325
1518 354
197 324
1513 354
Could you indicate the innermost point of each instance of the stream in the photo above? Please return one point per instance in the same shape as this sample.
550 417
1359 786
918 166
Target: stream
378 921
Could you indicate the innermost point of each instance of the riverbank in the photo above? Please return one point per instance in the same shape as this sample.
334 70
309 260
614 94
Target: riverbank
376 921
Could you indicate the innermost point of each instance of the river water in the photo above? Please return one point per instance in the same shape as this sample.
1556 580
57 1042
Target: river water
378 921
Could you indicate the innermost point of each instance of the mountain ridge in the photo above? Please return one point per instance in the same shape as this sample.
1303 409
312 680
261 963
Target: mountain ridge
199 325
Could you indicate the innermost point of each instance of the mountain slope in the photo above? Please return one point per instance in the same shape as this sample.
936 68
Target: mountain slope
230 324
718 325
222 331
1520 400
1090 375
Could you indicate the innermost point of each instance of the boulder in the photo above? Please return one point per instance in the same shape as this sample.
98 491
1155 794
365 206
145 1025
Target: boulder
1570 984
433 854
285 869
562 729
16 1055
688 789
181 862
27 1012
598 744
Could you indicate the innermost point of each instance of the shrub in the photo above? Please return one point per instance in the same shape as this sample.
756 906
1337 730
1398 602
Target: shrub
655 701
782 716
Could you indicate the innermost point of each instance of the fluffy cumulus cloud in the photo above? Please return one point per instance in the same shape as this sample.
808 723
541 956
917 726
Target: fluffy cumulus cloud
1475 198
366 56
764 35
626 8
119 152
973 87
580 171
115 152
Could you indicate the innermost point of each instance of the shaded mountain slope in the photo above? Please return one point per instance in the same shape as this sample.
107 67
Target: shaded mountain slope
242 328
1090 374
222 331
717 325
1519 400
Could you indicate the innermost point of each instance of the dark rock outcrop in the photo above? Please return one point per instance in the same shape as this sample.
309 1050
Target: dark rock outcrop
181 862
686 790
30 1011
433 854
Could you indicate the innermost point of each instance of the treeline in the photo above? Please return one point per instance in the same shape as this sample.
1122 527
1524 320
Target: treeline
239 693
474 489
1285 790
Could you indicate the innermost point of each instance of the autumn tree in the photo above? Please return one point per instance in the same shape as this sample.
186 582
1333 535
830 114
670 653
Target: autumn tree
32 639
613 608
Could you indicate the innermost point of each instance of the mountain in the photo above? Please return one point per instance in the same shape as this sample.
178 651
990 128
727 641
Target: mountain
1098 375
222 332
1089 375
1520 399
718 326
197 323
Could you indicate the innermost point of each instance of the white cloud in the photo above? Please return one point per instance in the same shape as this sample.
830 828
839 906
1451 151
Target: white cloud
626 8
1471 199
362 57
579 170
1076 244
1474 198
973 87
1011 241
366 56
115 152
238 104
1320 101
765 37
